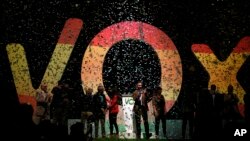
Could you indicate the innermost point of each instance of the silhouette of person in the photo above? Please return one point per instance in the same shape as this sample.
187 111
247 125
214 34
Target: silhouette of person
28 130
231 109
76 132
99 111
216 106
60 106
87 108
158 102
247 109
202 113
189 109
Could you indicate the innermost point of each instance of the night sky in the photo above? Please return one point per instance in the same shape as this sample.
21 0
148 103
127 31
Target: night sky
36 25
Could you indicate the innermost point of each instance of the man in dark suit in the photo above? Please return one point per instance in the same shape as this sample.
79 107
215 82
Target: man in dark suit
141 99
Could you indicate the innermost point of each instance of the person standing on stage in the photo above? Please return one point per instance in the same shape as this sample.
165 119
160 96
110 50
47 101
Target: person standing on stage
99 110
113 111
158 102
140 108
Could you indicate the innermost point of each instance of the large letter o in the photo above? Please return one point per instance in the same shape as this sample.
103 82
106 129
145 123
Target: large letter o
171 68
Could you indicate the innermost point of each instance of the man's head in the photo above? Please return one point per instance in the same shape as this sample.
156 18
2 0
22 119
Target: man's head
213 88
100 88
44 87
158 90
89 91
139 85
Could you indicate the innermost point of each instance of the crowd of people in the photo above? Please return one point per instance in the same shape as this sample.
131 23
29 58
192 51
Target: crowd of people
204 111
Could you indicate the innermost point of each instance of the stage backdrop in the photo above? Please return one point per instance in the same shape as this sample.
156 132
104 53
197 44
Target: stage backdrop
183 46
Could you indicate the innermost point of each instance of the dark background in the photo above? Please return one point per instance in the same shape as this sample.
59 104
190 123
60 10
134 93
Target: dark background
36 25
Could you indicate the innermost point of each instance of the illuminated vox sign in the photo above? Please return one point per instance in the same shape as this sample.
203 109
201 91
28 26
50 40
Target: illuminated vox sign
171 68
92 63
56 66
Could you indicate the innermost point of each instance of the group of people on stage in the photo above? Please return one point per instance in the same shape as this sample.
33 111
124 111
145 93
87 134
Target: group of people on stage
93 107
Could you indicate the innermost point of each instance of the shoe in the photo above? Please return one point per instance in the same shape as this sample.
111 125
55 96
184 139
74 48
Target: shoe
111 135
157 136
165 136
138 137
149 135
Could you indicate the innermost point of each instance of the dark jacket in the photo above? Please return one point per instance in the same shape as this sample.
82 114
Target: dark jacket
87 103
141 99
99 102
159 104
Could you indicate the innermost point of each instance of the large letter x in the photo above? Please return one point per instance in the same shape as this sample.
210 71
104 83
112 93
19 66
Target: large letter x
223 73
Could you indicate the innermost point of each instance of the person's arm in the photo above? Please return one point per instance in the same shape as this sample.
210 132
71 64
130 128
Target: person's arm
154 105
52 104
47 97
148 98
37 95
163 99
164 102
149 95
105 105
135 95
